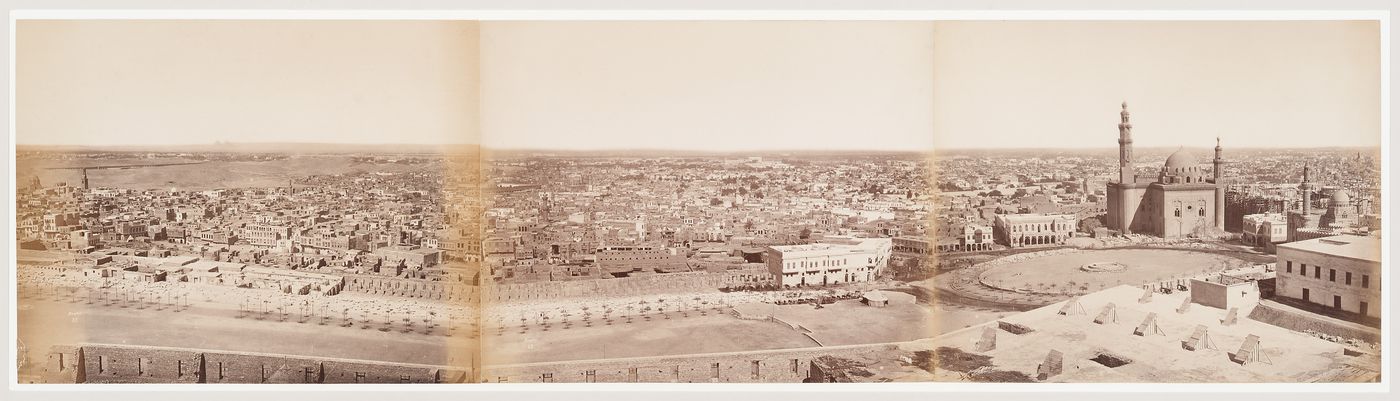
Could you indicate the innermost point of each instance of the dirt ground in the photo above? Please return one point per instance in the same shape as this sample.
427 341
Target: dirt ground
851 322
1047 273
50 321
696 334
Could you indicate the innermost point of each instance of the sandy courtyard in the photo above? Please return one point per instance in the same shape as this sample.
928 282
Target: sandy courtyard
1059 273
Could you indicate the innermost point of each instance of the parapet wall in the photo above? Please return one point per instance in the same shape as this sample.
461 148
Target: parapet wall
662 283
123 364
1301 322
107 363
772 366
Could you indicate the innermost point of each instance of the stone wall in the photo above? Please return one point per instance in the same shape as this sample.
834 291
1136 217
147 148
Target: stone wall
666 283
222 367
1268 312
773 366
626 286
410 288
106 363
64 364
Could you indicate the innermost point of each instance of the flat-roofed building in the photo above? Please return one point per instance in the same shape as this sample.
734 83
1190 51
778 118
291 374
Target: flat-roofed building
820 264
624 260
1264 229
1341 272
267 234
291 281
411 255
1018 230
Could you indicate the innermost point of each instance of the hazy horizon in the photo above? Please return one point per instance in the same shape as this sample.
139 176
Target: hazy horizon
177 147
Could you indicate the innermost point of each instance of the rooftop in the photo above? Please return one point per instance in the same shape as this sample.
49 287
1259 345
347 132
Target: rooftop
814 249
1016 218
1347 246
1095 352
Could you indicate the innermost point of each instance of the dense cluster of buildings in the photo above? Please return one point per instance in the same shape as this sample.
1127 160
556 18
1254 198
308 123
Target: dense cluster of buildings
306 236
558 218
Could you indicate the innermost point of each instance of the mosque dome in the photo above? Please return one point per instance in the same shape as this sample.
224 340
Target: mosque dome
1181 159
1341 198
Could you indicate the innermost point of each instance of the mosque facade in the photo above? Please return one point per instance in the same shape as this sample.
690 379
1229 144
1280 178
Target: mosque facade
1185 198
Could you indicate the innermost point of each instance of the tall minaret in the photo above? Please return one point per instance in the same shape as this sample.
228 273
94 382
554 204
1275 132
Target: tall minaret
1125 148
1307 192
1219 173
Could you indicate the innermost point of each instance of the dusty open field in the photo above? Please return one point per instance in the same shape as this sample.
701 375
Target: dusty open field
50 320
1051 273
850 322
657 336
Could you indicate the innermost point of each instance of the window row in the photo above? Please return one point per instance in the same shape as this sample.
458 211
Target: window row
1331 274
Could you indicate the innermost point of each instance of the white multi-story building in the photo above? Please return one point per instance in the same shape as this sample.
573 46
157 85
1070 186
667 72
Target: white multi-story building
1264 229
266 234
840 260
1018 230
1341 272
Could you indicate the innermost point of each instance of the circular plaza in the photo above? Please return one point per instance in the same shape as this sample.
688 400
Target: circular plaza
1076 271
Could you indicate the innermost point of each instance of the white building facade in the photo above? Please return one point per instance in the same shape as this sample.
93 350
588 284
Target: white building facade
842 260
1341 272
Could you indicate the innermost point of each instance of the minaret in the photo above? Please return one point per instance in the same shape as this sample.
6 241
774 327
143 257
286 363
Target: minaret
1125 148
1219 173
1307 193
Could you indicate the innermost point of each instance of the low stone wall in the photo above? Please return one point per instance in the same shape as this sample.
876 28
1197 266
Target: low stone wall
107 363
410 288
1267 312
122 364
223 367
64 364
613 287
772 366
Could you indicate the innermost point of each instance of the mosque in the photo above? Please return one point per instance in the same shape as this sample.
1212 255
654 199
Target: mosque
1183 199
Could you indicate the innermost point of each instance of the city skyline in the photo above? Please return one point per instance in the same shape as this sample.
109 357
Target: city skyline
182 147
697 202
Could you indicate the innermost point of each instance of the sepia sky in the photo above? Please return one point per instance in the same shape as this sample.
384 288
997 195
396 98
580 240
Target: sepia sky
134 82
699 85
1059 84
707 85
